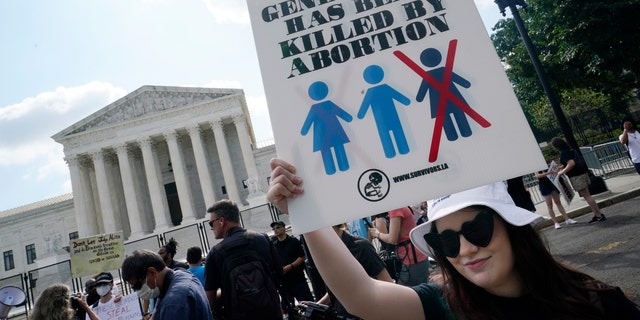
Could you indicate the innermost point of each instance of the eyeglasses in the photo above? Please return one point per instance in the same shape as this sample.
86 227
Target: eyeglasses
478 231
212 221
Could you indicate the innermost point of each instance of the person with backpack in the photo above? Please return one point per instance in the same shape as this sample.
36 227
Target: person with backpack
180 294
244 267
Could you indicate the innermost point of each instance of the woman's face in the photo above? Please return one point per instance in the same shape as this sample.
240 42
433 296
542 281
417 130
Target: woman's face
490 267
166 256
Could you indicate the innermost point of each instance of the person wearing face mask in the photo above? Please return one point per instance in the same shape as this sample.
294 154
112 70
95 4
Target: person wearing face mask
180 294
102 285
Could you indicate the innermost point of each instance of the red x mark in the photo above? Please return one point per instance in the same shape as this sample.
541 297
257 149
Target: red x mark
445 96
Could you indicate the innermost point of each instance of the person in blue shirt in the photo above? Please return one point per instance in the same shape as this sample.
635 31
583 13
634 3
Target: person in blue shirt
180 294
194 259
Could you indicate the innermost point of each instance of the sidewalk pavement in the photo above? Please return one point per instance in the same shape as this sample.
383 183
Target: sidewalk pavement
621 187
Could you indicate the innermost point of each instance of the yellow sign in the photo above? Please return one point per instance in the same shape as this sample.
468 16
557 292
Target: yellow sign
96 254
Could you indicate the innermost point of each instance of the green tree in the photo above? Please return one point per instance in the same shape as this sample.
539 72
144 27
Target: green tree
587 47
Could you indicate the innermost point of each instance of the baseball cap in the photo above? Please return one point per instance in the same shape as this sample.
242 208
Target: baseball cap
277 223
494 196
104 277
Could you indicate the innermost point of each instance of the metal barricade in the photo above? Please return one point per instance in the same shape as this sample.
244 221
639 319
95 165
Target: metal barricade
607 159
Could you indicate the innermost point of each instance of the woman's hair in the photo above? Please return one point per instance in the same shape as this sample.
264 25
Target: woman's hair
560 144
562 290
53 304
171 247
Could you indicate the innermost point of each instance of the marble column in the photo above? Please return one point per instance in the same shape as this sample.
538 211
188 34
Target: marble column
130 192
247 154
104 192
225 162
79 194
157 194
180 175
204 173
90 199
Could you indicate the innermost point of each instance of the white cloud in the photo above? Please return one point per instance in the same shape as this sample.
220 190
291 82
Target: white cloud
257 106
226 84
26 127
228 11
260 120
66 186
485 3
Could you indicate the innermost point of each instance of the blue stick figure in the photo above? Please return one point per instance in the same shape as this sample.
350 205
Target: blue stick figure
327 130
381 99
431 57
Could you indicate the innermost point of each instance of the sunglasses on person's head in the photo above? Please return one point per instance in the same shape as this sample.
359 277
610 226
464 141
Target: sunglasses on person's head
478 231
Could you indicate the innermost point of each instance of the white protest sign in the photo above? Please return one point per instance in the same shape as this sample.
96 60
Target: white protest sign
383 103
562 183
128 308
95 254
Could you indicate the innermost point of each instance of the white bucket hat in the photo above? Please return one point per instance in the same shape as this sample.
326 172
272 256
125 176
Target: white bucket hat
494 196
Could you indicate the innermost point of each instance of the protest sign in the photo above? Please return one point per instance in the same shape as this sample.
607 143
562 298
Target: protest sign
383 103
95 254
128 308
562 183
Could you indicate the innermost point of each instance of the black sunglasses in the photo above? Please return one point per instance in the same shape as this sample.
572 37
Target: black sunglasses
212 221
478 231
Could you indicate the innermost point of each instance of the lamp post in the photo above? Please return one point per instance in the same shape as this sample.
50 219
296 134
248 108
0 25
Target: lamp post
542 76
597 183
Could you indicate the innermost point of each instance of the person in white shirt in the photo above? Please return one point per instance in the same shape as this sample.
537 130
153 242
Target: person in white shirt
630 137
104 287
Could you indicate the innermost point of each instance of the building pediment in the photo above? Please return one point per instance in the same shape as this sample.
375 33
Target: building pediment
143 102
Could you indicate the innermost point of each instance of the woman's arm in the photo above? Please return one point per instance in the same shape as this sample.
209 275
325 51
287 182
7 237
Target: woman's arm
568 167
361 295
394 231
83 304
624 138
539 175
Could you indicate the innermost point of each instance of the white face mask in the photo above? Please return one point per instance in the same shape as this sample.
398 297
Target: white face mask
146 293
103 290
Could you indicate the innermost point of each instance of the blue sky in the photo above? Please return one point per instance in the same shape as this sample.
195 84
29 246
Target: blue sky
63 60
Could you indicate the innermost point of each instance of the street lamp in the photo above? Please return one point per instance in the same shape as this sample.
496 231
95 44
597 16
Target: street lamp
542 76
597 183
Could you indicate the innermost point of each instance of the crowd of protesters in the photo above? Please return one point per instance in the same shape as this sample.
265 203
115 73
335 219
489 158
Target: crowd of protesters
491 263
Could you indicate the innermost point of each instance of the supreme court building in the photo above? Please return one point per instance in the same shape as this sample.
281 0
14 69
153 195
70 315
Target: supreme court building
149 162
159 157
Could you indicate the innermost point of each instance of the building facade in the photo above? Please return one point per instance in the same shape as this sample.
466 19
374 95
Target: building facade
147 163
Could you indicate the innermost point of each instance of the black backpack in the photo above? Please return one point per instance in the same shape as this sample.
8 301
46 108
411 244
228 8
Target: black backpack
249 285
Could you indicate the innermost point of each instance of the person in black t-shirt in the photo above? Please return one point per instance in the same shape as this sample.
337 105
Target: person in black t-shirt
292 259
575 168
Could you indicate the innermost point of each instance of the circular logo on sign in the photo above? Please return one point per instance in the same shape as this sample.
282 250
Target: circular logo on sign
373 185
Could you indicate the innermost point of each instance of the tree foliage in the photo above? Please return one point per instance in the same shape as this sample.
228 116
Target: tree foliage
590 50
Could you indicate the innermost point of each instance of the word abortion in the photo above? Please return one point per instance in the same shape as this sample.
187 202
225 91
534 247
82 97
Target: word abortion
342 41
